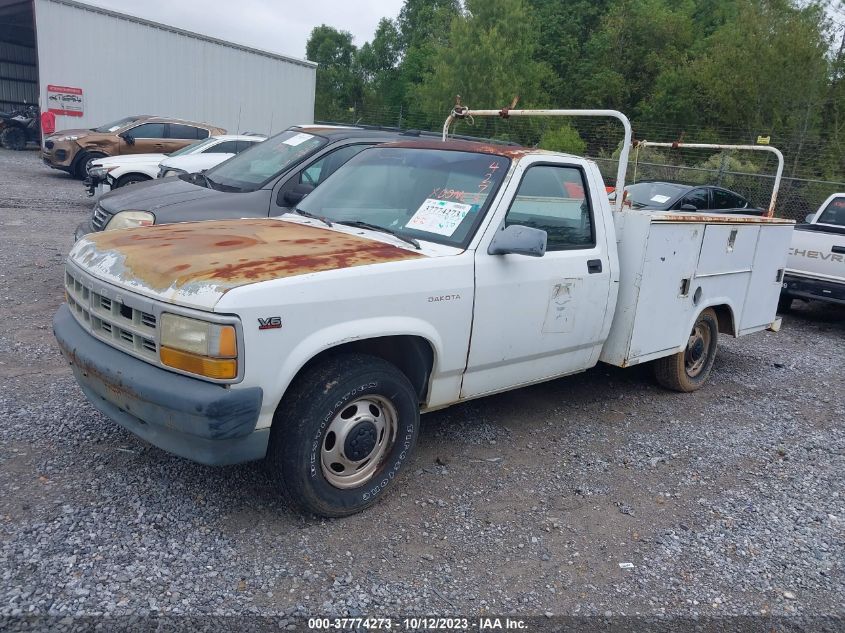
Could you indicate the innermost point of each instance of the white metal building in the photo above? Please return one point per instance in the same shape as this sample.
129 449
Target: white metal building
91 66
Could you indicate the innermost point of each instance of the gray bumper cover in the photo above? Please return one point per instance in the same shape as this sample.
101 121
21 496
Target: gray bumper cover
201 421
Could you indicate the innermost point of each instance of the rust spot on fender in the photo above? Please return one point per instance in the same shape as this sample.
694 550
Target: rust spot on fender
224 254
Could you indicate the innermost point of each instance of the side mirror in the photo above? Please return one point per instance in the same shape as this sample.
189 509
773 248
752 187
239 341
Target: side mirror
293 197
126 136
519 240
809 218
689 207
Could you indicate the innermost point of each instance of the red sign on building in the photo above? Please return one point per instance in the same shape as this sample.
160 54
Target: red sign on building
65 101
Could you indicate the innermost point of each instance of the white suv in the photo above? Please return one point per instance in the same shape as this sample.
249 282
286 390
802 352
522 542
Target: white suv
110 173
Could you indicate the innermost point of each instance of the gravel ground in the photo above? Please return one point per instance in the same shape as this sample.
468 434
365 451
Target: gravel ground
726 501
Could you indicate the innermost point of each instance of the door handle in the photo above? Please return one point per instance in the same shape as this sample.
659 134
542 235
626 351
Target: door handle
593 266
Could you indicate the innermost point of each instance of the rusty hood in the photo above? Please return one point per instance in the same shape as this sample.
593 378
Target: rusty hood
194 264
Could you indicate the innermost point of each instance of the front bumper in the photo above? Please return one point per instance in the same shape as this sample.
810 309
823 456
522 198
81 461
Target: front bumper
813 289
96 187
200 421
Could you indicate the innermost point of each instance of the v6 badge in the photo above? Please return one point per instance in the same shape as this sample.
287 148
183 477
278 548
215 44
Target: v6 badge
270 323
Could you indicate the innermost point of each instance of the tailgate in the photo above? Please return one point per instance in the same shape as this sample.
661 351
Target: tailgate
815 253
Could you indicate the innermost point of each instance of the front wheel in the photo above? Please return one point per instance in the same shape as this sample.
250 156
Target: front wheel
343 433
689 369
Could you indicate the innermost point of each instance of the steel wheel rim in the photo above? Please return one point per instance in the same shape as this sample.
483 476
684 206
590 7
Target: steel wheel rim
357 441
698 350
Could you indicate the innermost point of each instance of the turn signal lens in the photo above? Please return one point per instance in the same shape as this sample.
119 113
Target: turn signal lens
217 368
199 347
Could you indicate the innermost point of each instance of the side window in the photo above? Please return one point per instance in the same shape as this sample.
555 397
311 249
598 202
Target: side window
726 200
242 145
201 133
177 130
148 130
697 198
226 147
553 198
321 169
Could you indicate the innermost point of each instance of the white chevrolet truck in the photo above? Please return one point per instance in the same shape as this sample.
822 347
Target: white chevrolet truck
815 269
421 274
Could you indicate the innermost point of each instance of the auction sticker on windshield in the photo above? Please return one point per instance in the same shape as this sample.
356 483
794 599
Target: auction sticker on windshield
660 199
297 139
439 216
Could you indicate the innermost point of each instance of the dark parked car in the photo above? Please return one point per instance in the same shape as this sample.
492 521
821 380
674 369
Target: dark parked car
266 180
670 196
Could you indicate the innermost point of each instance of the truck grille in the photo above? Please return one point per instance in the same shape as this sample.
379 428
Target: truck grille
114 322
100 218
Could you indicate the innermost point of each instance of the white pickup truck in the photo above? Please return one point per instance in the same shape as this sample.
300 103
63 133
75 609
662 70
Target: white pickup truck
815 269
421 274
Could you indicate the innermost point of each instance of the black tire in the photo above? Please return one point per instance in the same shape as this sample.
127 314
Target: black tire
80 166
13 138
130 179
331 392
785 303
689 369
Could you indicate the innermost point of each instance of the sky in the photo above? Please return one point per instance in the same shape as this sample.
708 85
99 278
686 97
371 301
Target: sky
277 26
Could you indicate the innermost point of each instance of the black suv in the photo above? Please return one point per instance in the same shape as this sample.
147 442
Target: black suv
266 180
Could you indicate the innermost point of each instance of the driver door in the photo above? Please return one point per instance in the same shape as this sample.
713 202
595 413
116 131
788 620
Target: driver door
540 317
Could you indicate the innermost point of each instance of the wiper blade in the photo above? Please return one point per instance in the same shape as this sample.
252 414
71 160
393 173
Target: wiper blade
219 186
375 227
313 216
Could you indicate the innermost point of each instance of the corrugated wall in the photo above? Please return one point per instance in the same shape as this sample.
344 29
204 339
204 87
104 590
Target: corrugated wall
18 75
127 66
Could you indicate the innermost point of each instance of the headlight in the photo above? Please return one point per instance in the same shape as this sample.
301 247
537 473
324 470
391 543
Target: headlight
199 347
164 172
98 171
130 219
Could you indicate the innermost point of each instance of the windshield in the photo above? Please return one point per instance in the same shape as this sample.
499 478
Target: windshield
653 194
434 195
114 126
834 213
255 167
193 147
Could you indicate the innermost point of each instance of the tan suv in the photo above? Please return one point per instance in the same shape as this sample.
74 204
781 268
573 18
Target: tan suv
73 150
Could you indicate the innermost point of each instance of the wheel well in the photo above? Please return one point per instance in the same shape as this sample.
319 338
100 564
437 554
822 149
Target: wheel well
412 355
138 174
726 319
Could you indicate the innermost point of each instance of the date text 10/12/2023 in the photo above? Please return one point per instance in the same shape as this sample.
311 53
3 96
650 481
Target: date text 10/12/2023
419 624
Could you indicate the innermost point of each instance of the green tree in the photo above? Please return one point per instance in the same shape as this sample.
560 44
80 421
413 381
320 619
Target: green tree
339 79
488 59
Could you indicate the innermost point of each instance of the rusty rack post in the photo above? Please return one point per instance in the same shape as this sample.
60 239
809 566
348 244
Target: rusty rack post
757 148
462 112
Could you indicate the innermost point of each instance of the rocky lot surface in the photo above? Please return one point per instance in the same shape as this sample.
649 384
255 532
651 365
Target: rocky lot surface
592 495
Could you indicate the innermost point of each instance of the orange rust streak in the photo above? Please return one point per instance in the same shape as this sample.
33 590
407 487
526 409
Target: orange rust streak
228 253
719 219
509 151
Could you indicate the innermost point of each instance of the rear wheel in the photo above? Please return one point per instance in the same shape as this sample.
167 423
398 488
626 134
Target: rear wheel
83 161
343 433
689 369
130 179
13 138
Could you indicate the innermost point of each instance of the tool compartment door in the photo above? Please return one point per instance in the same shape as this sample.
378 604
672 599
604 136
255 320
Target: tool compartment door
761 300
664 305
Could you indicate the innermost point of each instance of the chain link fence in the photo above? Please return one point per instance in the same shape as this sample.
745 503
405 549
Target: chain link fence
797 197
750 174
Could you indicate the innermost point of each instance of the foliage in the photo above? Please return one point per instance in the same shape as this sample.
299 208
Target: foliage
720 70
564 138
